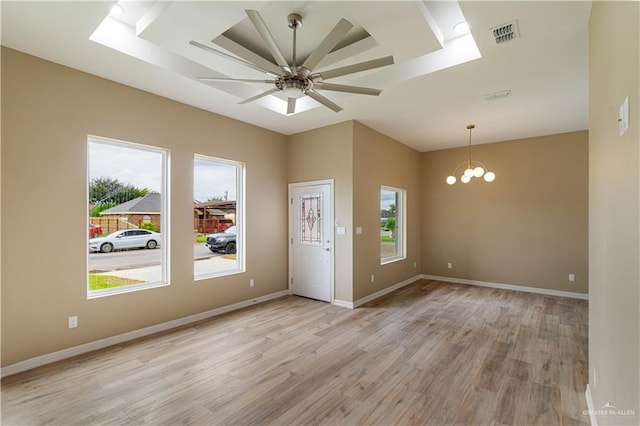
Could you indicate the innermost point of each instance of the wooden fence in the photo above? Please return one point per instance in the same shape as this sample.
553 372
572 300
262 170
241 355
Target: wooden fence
111 224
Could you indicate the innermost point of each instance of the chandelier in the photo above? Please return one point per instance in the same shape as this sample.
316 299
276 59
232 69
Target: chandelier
473 168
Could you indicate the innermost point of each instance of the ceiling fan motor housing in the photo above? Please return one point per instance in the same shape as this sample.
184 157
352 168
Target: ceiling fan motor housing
294 86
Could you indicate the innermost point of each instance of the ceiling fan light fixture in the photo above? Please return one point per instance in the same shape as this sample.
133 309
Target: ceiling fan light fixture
293 92
293 88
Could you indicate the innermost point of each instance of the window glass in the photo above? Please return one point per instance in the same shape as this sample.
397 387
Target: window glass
217 216
127 191
392 226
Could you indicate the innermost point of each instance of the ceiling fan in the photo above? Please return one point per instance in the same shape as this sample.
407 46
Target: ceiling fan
297 81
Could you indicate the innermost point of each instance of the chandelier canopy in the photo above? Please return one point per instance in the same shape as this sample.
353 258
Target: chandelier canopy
473 168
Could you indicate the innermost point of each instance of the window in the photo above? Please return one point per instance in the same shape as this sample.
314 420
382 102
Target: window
127 217
218 187
392 224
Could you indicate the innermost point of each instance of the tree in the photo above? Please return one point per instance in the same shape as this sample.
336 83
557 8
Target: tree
104 190
95 211
391 225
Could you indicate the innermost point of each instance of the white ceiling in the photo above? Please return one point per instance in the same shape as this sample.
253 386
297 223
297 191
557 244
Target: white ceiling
433 90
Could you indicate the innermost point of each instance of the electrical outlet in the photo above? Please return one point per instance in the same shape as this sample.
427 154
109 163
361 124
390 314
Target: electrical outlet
450 265
251 282
572 278
415 265
73 321
373 278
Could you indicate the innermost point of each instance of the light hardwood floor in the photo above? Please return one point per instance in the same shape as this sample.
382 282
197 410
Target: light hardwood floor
430 353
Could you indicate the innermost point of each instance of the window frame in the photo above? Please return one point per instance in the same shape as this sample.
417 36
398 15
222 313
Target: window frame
401 228
240 176
165 272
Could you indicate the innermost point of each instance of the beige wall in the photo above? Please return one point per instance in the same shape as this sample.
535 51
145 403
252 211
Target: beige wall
614 198
528 227
380 160
327 153
360 160
47 112
532 237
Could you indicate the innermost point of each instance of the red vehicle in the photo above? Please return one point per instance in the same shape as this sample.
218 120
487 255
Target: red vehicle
224 224
94 230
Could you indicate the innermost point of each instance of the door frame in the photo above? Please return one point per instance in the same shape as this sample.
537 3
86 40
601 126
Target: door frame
292 221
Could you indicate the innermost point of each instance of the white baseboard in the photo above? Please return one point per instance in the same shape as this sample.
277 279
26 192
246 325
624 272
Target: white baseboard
343 303
513 287
387 290
369 298
592 411
120 338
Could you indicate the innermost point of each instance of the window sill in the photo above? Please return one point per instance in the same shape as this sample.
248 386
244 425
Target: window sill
393 259
95 294
218 274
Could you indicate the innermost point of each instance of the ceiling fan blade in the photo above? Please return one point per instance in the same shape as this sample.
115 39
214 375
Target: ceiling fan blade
348 89
231 58
330 41
246 54
351 69
324 101
266 35
240 80
261 95
291 105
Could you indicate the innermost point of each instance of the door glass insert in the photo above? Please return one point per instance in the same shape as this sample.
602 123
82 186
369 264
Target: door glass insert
310 219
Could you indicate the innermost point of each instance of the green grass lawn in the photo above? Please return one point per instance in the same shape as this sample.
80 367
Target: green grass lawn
386 239
99 282
201 239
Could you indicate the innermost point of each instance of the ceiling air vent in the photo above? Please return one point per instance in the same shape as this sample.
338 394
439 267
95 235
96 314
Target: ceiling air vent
506 32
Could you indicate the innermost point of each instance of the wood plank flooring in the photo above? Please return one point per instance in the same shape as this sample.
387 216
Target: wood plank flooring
430 353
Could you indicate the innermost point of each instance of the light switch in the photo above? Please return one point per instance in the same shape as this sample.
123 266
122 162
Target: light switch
341 230
623 117
358 230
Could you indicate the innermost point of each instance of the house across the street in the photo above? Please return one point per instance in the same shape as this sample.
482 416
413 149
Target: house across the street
137 211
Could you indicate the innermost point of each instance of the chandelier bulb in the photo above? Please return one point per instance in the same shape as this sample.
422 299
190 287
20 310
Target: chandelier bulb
451 180
489 176
469 172
465 179
478 171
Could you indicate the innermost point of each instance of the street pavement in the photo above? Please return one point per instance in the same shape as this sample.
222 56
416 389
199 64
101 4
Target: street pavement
152 273
144 265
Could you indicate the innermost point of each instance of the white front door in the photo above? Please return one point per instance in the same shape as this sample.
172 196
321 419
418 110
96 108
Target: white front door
311 240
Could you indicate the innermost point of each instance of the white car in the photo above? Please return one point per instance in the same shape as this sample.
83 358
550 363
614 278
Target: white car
125 239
